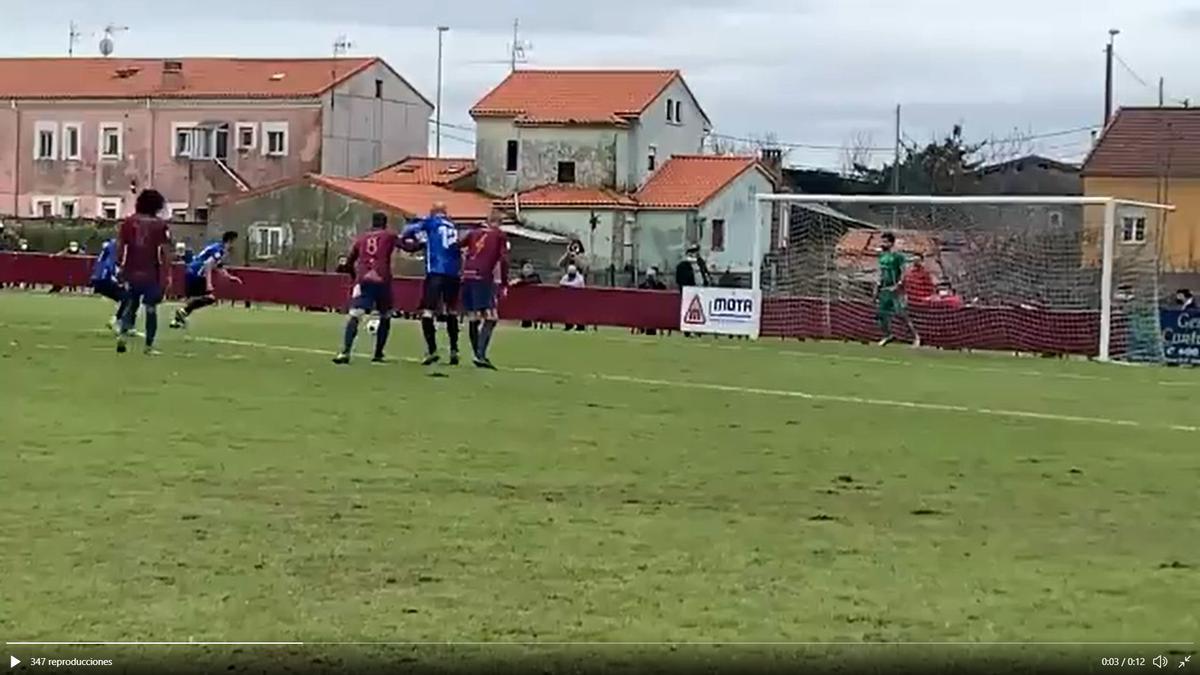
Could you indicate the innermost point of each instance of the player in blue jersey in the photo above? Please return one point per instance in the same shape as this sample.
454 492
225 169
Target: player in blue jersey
197 277
104 279
443 269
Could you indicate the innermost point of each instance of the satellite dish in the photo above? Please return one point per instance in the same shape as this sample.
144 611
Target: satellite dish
106 46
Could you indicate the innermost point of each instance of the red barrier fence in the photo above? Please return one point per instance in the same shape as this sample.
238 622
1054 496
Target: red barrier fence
990 328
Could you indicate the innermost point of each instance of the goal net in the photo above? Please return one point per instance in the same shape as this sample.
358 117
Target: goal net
1051 275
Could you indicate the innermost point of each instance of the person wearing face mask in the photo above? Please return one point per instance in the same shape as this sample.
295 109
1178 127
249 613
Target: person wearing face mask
572 279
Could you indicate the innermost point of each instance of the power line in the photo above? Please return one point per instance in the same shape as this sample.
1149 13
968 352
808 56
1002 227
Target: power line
1140 80
907 138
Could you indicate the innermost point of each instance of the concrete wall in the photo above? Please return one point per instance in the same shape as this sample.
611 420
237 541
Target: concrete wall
735 205
596 151
361 133
318 226
669 138
1176 235
147 158
604 243
661 239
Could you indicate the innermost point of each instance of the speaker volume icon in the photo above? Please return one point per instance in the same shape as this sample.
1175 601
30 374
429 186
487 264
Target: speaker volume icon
1160 661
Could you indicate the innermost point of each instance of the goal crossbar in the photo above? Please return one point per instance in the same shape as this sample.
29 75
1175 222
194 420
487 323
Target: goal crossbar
1108 244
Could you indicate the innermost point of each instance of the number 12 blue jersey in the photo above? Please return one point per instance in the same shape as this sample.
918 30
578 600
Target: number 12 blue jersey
442 254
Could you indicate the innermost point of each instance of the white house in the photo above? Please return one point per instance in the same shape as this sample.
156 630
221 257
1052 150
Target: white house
610 156
591 128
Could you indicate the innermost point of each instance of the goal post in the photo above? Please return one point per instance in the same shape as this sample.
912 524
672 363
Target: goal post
1048 274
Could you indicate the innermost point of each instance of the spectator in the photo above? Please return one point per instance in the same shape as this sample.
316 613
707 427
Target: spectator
572 279
946 297
574 255
692 270
651 282
919 287
528 276
1187 301
73 248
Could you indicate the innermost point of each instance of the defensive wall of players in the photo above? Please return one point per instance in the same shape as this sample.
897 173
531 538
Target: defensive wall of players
987 328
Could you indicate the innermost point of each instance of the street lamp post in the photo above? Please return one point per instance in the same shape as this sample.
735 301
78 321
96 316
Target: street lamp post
438 119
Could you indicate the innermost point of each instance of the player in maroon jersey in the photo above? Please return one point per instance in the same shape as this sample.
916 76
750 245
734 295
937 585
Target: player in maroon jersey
484 249
143 249
370 261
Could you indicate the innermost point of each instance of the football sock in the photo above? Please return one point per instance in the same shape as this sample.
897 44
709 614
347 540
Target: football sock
351 333
473 335
429 330
381 334
485 336
452 331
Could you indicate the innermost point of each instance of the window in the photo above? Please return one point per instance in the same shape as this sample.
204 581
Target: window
247 136
201 215
1055 219
68 207
178 211
276 134
110 141
718 235
1133 229
182 145
679 112
670 110
512 150
566 172
42 207
652 158
71 136
221 142
45 140
267 241
202 143
378 88
110 208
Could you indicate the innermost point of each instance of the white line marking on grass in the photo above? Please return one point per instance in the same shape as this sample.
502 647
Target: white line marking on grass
735 389
836 398
645 643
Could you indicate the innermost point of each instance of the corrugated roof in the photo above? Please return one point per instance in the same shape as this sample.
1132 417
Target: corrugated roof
426 170
570 196
201 77
1148 143
688 181
574 96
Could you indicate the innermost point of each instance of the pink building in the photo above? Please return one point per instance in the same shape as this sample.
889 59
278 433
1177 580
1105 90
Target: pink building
79 137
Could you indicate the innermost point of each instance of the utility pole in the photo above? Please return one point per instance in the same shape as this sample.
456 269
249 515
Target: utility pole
896 170
1108 75
438 119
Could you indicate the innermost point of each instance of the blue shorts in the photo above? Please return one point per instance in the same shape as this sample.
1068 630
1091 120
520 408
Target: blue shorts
109 289
372 297
478 295
148 295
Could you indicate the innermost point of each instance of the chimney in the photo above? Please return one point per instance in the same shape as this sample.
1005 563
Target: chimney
172 74
772 159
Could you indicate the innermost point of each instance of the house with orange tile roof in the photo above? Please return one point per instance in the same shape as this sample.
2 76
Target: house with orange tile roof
79 137
457 173
1150 155
588 128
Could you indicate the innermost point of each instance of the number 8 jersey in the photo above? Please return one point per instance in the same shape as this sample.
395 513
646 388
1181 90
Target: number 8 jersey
442 254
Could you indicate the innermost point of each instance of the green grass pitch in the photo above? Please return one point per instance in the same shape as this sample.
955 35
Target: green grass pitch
601 487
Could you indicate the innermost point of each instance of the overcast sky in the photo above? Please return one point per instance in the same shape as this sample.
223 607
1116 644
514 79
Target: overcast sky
817 72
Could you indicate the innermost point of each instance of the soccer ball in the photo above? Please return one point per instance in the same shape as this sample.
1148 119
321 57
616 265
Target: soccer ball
373 326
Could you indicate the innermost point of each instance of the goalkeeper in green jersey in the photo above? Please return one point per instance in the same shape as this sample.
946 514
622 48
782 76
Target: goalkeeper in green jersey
890 292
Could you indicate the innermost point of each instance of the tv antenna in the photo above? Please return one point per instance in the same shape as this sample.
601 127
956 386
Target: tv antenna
519 47
341 46
73 38
106 43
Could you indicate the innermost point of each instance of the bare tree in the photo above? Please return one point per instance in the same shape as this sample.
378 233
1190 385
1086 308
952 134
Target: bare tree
998 149
856 152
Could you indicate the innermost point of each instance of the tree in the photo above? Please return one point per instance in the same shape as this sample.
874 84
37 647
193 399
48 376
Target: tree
942 167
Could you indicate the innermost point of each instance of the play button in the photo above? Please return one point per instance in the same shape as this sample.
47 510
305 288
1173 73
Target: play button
13 661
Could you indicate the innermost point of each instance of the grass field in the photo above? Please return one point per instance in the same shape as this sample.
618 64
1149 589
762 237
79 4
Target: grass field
603 487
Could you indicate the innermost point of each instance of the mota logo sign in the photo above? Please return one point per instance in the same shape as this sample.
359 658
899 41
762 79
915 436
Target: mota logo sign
731 307
728 311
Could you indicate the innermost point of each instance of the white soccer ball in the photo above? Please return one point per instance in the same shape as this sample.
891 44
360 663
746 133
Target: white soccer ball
373 326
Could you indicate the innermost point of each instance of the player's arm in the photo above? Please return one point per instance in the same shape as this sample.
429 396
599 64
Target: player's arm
413 229
504 265
165 260
351 258
229 276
